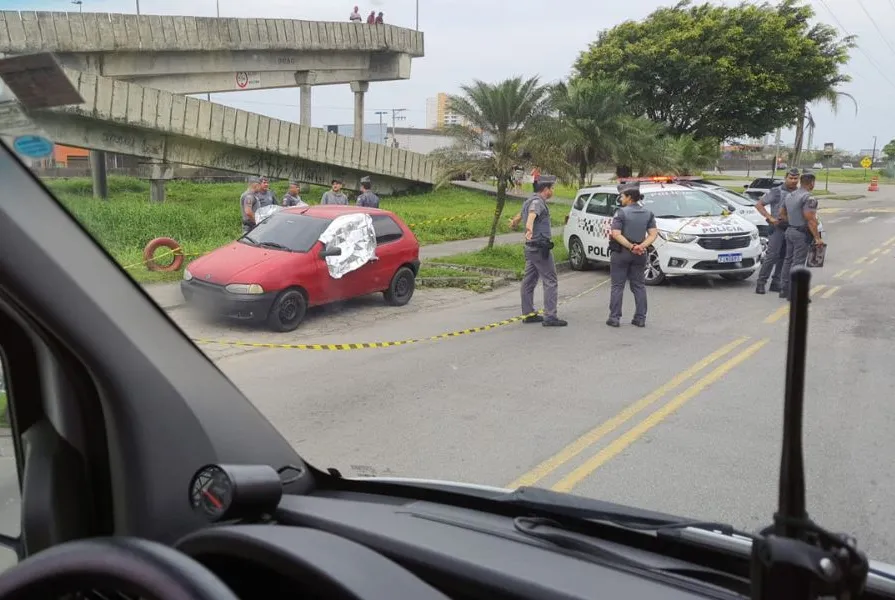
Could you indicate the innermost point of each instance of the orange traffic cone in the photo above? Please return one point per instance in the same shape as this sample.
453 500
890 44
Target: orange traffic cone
874 184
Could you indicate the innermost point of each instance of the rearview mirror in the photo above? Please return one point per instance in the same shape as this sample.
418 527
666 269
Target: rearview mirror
331 251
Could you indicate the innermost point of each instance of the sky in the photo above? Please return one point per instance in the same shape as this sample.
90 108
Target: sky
492 40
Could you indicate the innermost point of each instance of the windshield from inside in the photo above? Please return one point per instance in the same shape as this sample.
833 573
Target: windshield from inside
447 338
287 231
669 204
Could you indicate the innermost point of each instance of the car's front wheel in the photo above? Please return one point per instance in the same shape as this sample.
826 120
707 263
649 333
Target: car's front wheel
577 258
401 288
654 274
288 311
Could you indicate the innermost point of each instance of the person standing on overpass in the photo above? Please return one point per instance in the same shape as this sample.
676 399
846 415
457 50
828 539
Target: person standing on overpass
775 253
538 255
355 16
633 231
335 195
800 211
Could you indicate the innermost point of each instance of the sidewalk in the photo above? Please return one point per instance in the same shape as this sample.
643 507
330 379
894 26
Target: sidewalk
167 295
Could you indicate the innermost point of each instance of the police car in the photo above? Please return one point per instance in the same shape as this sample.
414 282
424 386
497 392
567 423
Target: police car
697 236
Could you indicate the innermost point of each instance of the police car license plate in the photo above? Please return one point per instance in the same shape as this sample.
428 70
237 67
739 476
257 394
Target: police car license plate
730 258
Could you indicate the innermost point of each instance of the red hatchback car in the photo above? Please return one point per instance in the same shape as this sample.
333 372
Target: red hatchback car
277 270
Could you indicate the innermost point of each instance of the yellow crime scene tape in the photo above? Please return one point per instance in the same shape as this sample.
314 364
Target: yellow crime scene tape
369 345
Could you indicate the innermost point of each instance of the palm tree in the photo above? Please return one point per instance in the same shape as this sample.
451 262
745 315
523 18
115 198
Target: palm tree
832 97
592 123
501 117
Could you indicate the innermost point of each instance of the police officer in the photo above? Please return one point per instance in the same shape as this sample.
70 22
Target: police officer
335 195
800 211
538 254
265 195
776 250
367 197
248 203
292 197
633 230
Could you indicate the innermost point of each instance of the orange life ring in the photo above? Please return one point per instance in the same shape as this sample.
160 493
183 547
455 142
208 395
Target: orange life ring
163 242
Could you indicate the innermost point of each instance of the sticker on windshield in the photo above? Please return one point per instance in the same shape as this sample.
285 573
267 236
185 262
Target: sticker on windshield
33 146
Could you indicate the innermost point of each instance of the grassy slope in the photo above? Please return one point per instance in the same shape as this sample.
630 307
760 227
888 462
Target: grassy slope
203 217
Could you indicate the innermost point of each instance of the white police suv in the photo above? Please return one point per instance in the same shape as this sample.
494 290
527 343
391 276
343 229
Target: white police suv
697 236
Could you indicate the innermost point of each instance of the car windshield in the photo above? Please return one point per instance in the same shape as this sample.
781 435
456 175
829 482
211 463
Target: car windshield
681 203
419 342
733 197
287 231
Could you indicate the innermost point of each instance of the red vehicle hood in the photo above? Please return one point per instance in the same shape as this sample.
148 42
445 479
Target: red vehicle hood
237 263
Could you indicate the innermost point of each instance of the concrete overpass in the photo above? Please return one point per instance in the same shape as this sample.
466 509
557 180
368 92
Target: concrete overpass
193 55
127 118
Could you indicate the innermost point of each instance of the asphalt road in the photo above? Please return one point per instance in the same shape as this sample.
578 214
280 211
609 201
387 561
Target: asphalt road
683 416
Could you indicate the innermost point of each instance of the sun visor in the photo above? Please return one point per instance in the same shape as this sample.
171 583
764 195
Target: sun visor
355 236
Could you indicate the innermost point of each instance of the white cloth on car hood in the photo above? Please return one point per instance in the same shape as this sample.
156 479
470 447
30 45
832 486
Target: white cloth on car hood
355 235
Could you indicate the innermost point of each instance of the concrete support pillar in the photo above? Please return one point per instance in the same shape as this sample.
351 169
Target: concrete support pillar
159 173
305 114
97 160
359 88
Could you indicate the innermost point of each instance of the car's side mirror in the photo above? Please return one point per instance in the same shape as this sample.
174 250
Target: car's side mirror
331 251
745 186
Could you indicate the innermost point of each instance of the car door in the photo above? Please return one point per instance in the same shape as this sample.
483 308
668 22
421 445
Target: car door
390 251
598 215
352 284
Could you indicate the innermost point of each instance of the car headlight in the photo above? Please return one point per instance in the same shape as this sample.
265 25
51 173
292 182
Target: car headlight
673 236
245 288
187 275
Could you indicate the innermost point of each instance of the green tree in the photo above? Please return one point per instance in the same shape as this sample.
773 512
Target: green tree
806 119
717 71
889 150
505 118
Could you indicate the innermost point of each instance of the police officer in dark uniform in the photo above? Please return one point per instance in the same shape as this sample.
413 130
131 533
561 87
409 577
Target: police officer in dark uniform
769 206
265 195
293 197
367 197
633 230
538 255
248 204
800 211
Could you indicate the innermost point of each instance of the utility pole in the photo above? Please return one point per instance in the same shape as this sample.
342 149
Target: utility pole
395 117
776 154
80 4
381 113
417 15
873 154
138 6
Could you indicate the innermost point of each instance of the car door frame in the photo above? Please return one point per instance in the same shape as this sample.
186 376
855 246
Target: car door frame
598 248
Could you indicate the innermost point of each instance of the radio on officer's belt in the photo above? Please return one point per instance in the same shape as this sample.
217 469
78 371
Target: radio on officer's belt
816 256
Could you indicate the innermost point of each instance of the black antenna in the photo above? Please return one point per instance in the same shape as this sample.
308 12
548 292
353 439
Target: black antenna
795 559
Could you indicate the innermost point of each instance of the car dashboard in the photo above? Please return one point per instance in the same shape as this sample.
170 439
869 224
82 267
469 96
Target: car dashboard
338 544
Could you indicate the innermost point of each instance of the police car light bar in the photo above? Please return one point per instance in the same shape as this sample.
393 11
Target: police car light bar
656 179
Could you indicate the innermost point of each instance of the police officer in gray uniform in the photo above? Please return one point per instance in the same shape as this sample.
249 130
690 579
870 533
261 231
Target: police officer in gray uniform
538 255
800 211
248 204
776 250
265 195
292 197
633 230
335 195
367 197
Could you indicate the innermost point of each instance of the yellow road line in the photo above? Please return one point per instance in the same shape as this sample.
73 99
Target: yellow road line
860 260
887 250
597 433
841 273
830 291
784 310
855 273
889 242
874 251
872 260
618 445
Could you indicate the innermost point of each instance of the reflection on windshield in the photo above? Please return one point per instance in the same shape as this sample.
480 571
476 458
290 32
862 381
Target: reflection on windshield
682 203
735 198
285 231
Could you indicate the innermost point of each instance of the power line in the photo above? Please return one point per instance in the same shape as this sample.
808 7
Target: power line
286 104
861 50
875 26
